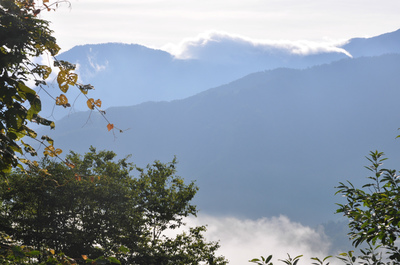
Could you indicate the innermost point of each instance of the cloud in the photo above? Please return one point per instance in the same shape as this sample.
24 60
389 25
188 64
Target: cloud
92 62
245 239
217 44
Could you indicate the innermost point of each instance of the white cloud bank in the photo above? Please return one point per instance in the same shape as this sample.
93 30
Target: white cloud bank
214 43
245 239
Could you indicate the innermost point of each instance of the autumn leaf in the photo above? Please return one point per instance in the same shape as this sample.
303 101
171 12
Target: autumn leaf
66 79
84 257
98 103
52 251
77 177
51 151
61 100
72 79
110 126
91 103
62 81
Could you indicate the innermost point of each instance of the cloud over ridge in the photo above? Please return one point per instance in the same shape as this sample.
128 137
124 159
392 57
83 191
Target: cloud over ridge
218 45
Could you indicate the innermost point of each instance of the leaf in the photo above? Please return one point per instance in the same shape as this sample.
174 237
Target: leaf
51 151
110 126
52 251
48 139
61 100
62 81
84 257
72 79
90 103
35 108
98 103
84 88
114 260
69 164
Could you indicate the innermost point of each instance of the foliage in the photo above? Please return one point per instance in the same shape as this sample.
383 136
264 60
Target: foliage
262 260
98 209
374 209
288 261
24 37
369 256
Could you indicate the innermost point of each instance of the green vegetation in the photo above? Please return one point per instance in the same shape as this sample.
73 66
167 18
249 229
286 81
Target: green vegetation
100 210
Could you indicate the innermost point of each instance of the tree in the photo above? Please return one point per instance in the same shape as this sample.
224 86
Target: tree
374 210
23 37
99 209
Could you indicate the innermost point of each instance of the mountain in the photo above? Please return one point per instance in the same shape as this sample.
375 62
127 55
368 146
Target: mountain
382 44
142 74
125 75
273 142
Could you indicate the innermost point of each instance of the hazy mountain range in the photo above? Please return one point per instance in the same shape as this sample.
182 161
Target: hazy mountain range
142 74
272 142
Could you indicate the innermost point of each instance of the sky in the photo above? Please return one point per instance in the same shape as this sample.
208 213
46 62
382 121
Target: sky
166 24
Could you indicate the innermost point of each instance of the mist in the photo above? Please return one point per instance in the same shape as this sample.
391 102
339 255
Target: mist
244 239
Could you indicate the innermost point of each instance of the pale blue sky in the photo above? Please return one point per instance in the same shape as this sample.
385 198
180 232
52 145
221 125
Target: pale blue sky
156 23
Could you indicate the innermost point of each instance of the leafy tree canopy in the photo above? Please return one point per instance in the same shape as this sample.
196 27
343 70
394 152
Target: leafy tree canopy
99 209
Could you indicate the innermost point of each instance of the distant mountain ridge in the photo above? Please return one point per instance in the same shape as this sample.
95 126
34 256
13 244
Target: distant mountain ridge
274 142
382 44
125 74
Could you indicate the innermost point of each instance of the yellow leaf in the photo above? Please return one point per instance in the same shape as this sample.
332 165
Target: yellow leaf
98 103
52 251
58 151
84 257
90 103
64 88
61 100
51 151
48 151
72 79
62 80
110 126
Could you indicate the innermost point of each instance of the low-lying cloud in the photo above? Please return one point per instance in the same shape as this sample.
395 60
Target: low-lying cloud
245 239
215 44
